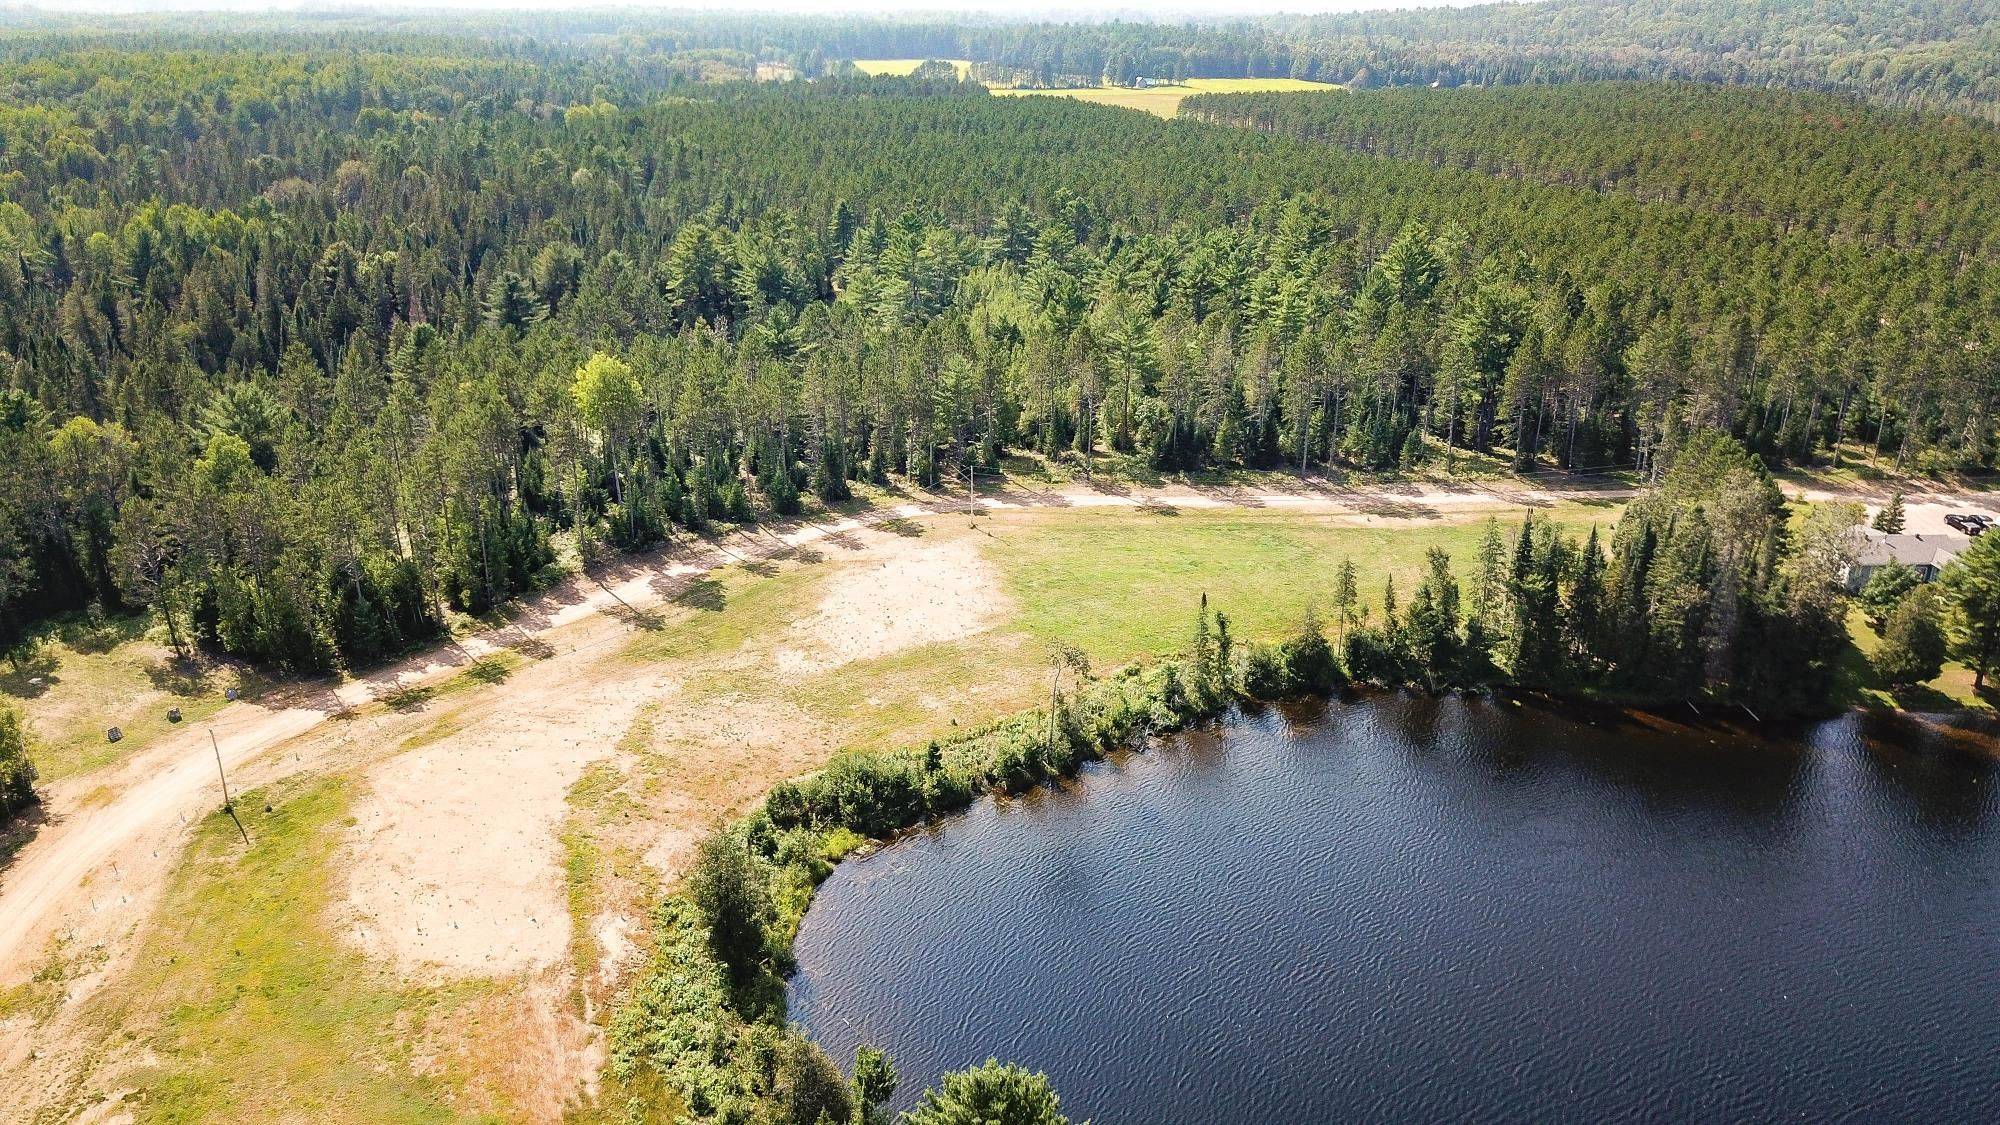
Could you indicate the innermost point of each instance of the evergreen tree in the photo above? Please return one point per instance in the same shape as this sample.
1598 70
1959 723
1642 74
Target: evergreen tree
874 1082
989 1094
1584 605
1346 596
1889 520
511 302
1489 575
1913 640
1972 585
1884 590
1309 660
1430 629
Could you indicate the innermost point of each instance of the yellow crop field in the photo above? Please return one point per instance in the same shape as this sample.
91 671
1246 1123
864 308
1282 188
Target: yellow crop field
898 68
1254 85
1166 100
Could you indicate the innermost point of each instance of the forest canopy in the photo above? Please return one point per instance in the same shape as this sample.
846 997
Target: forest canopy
313 335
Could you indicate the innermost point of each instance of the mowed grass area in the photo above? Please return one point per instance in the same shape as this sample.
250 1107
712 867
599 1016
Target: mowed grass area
1165 101
250 1005
1122 584
85 675
1125 584
1950 691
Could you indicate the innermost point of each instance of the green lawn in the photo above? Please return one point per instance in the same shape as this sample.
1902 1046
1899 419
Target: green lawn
87 674
1952 689
263 1012
1124 584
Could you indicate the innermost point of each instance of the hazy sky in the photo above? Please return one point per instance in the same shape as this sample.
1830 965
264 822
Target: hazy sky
1019 8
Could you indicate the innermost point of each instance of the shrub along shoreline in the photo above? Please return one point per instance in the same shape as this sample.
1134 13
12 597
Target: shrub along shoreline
703 1035
1709 590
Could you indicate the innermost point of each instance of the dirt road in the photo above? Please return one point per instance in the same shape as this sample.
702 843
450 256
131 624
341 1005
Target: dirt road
65 875
74 878
88 878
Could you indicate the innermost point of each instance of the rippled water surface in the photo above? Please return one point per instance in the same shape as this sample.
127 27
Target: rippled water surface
1416 910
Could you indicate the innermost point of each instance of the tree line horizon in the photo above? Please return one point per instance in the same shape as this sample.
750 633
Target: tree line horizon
306 349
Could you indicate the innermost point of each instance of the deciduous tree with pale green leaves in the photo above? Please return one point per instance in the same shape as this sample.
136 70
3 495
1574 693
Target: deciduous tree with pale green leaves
17 772
609 399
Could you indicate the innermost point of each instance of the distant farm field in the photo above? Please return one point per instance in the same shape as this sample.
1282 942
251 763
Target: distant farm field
1166 100
897 68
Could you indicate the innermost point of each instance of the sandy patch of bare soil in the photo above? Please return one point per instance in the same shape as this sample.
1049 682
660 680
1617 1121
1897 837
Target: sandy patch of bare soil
913 593
453 863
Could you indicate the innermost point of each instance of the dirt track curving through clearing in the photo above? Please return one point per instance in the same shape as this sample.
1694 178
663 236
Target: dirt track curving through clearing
90 876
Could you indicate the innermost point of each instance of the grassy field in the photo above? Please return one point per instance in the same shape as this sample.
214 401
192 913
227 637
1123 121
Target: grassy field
86 675
1165 101
1121 584
1124 585
252 1006
1951 690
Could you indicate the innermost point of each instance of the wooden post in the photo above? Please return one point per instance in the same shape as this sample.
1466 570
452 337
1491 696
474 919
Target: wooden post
228 806
1055 705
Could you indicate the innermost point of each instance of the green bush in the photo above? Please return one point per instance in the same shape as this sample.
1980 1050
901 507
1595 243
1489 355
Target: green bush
17 772
1913 640
1309 659
1265 673
804 1087
677 1023
994 1093
1884 589
732 889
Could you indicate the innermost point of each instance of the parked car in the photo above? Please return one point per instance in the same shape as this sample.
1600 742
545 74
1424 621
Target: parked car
1968 523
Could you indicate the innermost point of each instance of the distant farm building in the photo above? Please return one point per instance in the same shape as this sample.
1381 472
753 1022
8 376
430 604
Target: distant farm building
1925 554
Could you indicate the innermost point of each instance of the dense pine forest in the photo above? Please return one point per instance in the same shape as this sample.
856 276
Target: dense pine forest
1802 160
309 339
327 337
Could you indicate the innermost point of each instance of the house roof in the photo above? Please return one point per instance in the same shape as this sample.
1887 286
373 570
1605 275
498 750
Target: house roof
1877 549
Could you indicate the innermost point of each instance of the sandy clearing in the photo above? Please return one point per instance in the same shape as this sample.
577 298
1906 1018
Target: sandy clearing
452 860
915 593
92 875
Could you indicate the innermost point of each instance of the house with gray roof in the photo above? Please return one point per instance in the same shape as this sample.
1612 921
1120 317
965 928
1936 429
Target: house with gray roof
1926 554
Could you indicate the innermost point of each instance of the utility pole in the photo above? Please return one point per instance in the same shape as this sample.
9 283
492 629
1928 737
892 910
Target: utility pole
228 806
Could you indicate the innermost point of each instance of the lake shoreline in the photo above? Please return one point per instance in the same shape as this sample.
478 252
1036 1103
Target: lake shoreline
1750 789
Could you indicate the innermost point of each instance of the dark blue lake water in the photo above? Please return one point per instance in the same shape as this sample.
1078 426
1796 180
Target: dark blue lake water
1414 909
